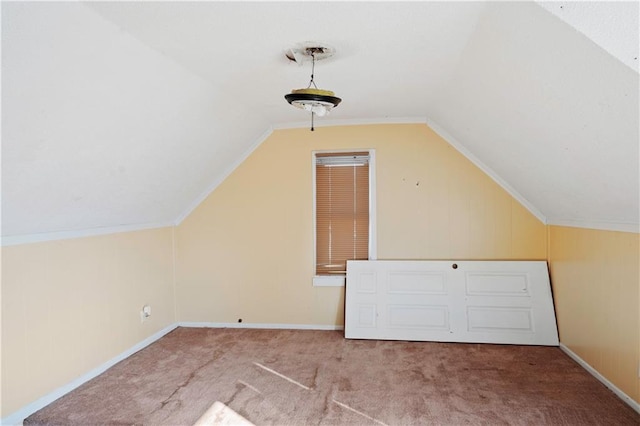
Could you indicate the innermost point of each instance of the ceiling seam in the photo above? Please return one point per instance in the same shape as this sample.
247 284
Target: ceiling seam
151 48
585 34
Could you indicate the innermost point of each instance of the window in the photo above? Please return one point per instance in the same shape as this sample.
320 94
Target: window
343 202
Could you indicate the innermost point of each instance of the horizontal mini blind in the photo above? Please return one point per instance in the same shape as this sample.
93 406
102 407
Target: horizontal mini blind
342 210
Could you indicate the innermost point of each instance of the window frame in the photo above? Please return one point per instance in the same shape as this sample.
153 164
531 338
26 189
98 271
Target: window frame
339 280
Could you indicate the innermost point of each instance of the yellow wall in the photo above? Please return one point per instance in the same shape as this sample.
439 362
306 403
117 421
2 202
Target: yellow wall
247 250
69 306
596 287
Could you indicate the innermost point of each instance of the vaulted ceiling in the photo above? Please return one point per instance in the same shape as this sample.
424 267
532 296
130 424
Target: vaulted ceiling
120 115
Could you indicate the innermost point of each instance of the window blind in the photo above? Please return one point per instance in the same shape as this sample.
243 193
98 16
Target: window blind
342 210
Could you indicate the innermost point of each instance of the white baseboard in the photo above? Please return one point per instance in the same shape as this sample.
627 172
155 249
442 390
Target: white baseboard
17 417
261 326
623 396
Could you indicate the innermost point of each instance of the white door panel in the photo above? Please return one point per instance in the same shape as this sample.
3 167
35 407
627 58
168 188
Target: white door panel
450 301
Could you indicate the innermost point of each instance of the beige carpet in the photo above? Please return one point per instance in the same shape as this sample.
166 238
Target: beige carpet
293 377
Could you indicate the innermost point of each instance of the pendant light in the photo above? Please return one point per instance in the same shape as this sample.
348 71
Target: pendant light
317 101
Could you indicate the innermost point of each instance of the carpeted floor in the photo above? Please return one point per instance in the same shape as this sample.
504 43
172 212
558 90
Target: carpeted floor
295 377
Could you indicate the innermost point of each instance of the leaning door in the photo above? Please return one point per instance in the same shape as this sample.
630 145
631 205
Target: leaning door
450 301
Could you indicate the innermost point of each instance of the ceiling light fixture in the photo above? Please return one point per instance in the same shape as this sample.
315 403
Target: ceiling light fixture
317 101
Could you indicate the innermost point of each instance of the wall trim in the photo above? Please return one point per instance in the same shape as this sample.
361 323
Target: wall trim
12 240
487 170
623 396
17 417
330 122
600 226
260 326
222 176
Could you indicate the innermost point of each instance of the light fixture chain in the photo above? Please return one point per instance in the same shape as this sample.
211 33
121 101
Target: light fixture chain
313 70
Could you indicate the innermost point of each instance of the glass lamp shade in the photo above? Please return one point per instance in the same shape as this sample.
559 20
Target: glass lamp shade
318 108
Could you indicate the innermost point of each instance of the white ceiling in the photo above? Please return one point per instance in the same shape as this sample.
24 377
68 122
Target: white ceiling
126 114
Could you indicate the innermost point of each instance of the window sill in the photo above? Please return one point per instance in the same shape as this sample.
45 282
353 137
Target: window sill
329 281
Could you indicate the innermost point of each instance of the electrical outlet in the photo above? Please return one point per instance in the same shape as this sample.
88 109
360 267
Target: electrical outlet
145 313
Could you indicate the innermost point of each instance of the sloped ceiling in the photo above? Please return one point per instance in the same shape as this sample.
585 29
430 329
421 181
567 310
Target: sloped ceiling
126 114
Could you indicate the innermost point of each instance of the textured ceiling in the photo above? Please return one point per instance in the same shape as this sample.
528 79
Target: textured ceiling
611 25
126 114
